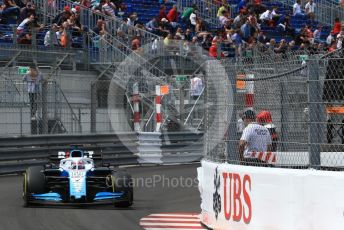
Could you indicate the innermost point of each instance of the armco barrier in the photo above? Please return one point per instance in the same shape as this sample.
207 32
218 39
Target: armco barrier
173 147
17 153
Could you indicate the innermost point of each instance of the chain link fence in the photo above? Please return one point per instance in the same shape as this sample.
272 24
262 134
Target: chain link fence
305 102
46 111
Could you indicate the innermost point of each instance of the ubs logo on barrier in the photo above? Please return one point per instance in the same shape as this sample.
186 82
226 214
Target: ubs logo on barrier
237 199
216 195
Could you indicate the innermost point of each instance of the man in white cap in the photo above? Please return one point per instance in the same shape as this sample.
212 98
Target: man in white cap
255 138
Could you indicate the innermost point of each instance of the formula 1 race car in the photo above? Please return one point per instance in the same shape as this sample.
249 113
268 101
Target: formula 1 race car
76 179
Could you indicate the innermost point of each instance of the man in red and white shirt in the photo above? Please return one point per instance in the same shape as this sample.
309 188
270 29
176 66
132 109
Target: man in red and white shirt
255 139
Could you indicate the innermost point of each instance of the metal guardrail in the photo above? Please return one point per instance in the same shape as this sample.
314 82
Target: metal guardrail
171 147
19 152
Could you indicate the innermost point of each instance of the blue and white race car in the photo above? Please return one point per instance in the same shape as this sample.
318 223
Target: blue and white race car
76 179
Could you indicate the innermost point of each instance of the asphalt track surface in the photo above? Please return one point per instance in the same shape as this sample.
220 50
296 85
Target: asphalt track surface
168 195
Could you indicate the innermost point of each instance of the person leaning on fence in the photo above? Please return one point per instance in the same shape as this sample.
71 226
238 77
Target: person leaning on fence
33 79
255 138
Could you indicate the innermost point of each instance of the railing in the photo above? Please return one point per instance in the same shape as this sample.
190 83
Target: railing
326 10
18 153
89 18
122 148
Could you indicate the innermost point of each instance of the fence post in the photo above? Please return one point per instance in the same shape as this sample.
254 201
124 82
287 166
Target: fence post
314 100
44 107
232 148
93 107
14 31
284 110
87 47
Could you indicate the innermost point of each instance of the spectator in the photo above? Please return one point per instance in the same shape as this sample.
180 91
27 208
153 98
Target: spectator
310 9
196 87
222 10
188 35
242 6
20 3
50 38
25 23
266 17
297 8
186 14
62 17
330 39
238 20
85 3
284 26
179 34
172 15
256 7
100 27
255 138
62 36
316 34
108 8
135 43
193 19
276 17
262 38
337 27
168 39
333 46
9 10
282 47
28 9
153 26
33 79
213 49
246 31
292 45
224 18
132 19
162 12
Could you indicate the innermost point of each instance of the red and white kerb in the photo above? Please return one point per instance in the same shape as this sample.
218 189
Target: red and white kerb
136 102
249 96
171 221
158 117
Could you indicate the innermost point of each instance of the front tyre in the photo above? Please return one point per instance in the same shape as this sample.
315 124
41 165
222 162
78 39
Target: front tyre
122 183
34 183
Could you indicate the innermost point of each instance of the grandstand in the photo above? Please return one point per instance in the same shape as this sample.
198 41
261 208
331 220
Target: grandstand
96 36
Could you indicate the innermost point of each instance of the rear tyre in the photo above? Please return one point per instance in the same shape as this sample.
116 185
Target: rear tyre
122 183
34 183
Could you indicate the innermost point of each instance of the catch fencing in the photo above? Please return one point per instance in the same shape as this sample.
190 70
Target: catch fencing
306 105
45 112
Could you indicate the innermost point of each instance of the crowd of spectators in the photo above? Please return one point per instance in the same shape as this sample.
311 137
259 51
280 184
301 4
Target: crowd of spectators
240 29
65 29
247 29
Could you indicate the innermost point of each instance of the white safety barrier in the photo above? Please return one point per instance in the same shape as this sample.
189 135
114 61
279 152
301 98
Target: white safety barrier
243 197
